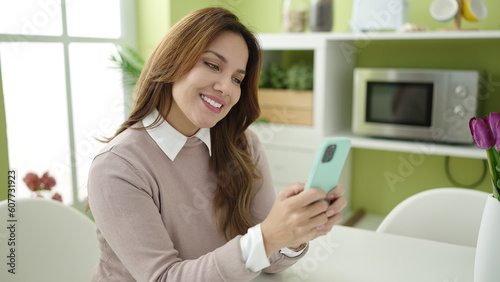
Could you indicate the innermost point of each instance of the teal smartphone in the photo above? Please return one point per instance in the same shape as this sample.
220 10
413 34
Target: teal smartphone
328 163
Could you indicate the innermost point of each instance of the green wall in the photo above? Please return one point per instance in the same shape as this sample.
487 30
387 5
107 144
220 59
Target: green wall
373 188
153 17
372 191
4 160
383 179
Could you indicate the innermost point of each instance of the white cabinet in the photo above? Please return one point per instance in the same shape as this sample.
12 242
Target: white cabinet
289 165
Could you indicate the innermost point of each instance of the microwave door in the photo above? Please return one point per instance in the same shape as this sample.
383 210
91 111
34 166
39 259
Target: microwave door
399 103
397 109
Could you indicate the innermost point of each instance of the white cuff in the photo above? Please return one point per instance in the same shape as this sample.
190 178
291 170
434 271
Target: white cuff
253 250
291 253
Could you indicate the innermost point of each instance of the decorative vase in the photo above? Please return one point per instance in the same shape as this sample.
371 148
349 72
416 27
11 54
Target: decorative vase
488 243
320 15
294 15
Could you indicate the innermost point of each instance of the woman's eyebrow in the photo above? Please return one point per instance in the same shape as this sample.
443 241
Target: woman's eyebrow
223 59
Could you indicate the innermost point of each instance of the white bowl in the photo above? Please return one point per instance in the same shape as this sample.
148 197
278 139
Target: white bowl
444 10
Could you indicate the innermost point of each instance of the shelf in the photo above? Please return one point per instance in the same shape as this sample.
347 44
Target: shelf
303 137
310 40
420 147
426 35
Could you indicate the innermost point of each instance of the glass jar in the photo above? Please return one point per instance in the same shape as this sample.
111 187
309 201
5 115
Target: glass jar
321 15
294 17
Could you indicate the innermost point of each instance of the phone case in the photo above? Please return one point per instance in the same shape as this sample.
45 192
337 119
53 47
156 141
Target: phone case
327 166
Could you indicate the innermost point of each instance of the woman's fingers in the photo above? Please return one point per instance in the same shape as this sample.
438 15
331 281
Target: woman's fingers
309 196
318 207
337 192
336 206
333 219
310 215
300 215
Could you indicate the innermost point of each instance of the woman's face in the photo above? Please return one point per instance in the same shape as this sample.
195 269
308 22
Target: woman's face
204 95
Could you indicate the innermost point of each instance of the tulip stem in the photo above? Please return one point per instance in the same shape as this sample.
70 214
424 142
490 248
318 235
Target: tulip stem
493 162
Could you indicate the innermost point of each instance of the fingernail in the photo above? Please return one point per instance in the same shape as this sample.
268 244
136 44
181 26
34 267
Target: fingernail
330 197
330 212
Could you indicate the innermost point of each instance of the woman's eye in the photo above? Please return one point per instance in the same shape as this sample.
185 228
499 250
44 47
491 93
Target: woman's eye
212 66
237 80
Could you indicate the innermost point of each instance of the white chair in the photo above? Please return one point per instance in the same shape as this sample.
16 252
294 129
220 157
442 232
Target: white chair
53 242
451 215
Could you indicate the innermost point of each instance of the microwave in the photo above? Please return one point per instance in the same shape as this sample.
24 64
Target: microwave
417 104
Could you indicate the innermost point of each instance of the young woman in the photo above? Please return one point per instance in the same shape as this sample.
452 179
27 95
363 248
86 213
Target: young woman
183 191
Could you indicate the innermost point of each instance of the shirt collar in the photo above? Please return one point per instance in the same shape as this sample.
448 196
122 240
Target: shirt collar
169 139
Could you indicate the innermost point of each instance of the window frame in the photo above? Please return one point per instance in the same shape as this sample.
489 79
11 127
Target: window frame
128 38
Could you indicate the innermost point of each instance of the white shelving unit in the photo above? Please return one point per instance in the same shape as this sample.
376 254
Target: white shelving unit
290 149
334 60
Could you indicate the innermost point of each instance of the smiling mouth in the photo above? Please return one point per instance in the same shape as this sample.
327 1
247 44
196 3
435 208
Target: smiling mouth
211 102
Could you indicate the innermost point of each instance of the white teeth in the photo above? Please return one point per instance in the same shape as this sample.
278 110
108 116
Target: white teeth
211 102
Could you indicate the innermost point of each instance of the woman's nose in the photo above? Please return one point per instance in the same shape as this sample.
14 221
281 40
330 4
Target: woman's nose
222 85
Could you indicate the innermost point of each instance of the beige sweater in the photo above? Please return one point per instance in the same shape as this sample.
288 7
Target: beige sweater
154 216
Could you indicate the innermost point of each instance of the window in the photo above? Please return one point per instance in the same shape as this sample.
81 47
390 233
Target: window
60 88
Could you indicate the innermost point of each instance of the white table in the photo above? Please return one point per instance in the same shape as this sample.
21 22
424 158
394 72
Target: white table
349 254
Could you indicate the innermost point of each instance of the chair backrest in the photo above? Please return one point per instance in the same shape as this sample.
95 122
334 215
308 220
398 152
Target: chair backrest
46 241
451 215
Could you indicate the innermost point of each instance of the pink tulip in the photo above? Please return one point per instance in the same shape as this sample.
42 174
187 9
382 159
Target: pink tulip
494 122
486 133
481 132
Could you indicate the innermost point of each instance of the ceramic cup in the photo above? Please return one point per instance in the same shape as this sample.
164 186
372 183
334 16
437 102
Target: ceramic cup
444 10
474 10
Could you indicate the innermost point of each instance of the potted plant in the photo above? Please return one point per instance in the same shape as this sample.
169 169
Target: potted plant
131 64
42 186
286 95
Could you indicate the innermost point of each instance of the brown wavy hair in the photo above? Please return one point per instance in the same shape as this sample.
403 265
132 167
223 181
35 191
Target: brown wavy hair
175 55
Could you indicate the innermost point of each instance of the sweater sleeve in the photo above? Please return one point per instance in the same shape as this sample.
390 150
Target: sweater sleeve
135 241
263 202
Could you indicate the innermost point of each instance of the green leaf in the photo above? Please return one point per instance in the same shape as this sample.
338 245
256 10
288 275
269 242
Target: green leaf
493 164
130 62
300 77
273 76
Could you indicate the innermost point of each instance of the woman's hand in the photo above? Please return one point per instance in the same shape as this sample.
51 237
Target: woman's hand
338 203
299 216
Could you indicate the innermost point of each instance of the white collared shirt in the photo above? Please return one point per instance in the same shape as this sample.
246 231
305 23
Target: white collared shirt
169 139
171 142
